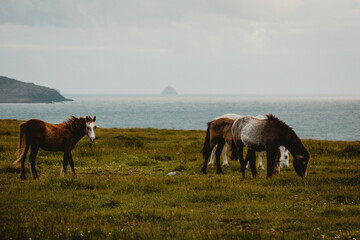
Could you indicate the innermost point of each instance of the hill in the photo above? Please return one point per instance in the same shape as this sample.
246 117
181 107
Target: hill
14 91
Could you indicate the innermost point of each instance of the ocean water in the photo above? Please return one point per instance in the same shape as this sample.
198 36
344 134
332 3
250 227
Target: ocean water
314 117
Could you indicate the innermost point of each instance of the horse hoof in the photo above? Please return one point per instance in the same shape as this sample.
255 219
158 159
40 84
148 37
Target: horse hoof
203 171
225 164
221 172
261 168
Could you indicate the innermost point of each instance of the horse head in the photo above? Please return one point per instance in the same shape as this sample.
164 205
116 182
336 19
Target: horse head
300 163
284 157
90 127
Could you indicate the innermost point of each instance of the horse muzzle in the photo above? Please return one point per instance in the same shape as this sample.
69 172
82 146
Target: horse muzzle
284 165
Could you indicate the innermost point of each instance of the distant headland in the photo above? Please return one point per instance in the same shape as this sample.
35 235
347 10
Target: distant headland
15 91
169 91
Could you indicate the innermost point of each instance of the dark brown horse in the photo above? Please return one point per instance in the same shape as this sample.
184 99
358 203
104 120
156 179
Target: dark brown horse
52 137
268 134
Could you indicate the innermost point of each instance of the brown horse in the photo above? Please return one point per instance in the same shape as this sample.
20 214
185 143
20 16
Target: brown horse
268 134
53 137
217 133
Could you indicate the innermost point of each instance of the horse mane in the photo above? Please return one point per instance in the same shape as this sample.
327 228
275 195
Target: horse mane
282 124
278 121
74 123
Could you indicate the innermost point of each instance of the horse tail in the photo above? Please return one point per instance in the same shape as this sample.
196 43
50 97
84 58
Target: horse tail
22 144
206 151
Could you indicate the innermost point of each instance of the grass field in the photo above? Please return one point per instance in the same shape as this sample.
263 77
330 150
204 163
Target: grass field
122 191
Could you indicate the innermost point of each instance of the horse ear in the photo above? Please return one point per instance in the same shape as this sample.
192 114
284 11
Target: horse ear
94 119
88 118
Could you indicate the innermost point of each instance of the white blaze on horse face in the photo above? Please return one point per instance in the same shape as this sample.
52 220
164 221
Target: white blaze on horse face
90 130
284 159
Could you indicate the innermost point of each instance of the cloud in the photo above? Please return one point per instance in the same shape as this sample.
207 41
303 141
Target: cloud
92 13
191 45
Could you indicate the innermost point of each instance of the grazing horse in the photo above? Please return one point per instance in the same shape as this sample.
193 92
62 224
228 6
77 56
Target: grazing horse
233 116
267 135
52 137
283 162
218 133
284 159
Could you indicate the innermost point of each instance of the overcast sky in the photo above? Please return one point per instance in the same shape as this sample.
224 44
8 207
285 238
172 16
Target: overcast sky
205 47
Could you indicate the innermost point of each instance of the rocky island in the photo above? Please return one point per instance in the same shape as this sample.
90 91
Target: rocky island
14 91
169 91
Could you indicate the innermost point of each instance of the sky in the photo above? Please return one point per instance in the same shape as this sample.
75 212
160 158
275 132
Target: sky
198 47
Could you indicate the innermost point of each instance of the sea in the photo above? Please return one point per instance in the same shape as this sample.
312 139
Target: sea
311 117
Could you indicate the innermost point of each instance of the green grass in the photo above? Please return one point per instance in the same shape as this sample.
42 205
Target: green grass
122 191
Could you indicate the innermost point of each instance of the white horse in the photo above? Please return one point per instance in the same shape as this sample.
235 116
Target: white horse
284 159
284 153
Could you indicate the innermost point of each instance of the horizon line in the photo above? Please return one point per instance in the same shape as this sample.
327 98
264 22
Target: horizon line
215 94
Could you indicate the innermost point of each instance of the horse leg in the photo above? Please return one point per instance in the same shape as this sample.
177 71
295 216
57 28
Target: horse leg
218 153
34 151
271 155
22 169
251 156
71 162
277 162
260 165
65 163
206 154
212 157
225 161
242 160
234 151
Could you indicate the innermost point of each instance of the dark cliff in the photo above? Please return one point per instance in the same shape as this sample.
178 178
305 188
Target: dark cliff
14 91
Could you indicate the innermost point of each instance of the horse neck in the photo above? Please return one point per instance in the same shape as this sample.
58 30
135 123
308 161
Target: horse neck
77 133
292 142
79 136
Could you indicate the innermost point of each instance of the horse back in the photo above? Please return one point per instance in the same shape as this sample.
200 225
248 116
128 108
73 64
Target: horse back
252 132
51 137
221 129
